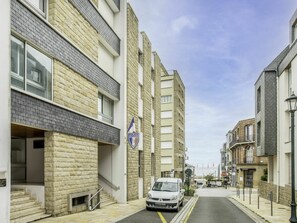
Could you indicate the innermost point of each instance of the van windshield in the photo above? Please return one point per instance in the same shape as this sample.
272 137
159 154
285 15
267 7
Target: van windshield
165 186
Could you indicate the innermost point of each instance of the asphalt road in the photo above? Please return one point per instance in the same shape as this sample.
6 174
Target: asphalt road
153 216
213 206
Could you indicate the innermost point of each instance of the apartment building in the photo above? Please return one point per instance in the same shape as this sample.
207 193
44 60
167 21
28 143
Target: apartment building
279 171
248 167
67 110
172 124
143 101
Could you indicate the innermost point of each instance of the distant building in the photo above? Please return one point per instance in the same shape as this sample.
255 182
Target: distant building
247 167
172 124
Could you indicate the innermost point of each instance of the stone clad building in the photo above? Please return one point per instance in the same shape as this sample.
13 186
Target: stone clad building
247 167
143 101
67 86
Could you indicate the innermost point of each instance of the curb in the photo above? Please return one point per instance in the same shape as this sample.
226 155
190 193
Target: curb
253 215
183 214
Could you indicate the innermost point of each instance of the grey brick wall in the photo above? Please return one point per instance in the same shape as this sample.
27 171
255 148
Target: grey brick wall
29 111
26 24
98 22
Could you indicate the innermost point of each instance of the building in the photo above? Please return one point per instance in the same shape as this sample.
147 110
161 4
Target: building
68 75
143 106
5 184
172 124
279 171
249 167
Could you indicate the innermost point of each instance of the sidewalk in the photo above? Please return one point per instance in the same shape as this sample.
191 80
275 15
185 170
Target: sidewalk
281 213
108 214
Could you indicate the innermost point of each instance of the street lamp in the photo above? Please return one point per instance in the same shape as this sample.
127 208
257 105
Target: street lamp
292 106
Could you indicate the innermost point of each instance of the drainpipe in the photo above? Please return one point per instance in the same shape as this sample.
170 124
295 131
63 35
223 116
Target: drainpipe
277 144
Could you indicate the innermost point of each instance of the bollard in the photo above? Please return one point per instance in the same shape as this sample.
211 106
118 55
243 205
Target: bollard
271 198
250 201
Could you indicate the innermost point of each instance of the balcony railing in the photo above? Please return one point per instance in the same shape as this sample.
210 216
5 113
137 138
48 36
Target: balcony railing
245 140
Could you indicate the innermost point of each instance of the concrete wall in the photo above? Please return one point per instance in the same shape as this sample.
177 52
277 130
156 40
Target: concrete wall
5 110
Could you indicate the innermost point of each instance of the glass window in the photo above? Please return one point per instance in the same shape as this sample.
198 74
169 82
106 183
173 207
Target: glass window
166 145
38 4
38 75
17 63
166 99
105 109
166 160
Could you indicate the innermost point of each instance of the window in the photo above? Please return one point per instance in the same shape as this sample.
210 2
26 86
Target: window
40 5
249 155
258 133
258 99
105 109
166 84
166 99
248 132
139 91
289 82
166 129
166 160
166 114
31 70
166 145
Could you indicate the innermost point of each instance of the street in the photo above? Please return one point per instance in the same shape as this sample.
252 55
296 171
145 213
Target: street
213 205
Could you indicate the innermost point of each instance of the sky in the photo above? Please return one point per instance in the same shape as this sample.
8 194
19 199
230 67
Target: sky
219 49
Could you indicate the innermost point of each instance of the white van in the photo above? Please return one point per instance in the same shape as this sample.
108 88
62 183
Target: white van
167 193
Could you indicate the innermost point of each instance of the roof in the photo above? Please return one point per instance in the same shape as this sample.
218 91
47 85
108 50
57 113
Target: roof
274 64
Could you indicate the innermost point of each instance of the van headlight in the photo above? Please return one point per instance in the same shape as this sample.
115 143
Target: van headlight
174 197
149 196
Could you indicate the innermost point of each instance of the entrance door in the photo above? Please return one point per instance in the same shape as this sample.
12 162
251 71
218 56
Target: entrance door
18 160
248 178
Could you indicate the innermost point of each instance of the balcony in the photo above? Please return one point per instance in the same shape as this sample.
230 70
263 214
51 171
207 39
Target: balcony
242 140
153 88
140 108
140 144
153 117
153 145
140 74
140 42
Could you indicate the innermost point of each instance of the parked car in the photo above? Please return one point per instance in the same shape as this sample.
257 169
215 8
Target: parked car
167 193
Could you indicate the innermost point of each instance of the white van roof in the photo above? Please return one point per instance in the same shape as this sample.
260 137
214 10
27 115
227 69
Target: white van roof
168 179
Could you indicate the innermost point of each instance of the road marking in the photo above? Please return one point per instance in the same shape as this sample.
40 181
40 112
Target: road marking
189 213
161 217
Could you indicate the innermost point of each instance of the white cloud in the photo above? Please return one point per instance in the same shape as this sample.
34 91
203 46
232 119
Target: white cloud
183 22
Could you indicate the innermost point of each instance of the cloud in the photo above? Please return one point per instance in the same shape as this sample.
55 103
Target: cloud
183 22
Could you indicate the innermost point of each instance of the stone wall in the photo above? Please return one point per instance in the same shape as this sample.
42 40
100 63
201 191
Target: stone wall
132 100
71 166
68 20
74 91
147 114
157 157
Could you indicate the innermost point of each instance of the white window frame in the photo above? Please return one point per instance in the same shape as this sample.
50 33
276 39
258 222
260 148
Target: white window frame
166 99
166 129
36 7
166 145
101 115
166 114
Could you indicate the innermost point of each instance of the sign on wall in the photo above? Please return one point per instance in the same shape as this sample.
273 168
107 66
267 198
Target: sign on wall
133 136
